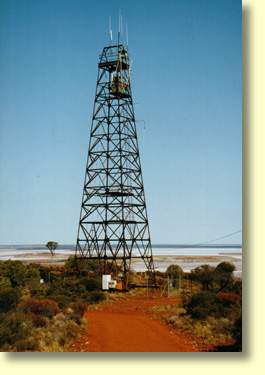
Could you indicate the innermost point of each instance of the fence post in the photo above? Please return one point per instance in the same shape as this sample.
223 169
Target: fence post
147 287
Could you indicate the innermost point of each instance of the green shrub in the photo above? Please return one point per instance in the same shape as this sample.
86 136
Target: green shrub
29 343
66 291
95 297
5 283
9 297
18 273
230 300
237 331
200 312
79 307
13 328
56 289
226 267
38 290
85 264
237 287
62 300
70 263
206 304
174 271
76 318
205 275
71 287
43 307
223 276
91 283
38 320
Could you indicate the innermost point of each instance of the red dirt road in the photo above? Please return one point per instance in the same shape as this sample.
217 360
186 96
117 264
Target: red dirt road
129 333
126 326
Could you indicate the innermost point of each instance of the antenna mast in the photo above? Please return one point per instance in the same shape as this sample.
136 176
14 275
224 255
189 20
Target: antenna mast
120 28
127 37
110 31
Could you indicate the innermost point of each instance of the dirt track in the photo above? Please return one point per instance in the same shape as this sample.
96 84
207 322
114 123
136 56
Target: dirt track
127 326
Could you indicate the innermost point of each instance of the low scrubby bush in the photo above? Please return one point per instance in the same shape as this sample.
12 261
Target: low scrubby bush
38 320
79 307
5 283
9 297
56 289
199 312
44 307
76 318
13 327
229 299
237 331
204 274
87 264
237 288
38 290
91 283
206 304
18 273
62 300
95 297
29 343
69 287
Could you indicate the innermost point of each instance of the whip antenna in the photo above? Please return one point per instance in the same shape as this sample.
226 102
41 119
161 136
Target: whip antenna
127 36
119 33
110 31
121 27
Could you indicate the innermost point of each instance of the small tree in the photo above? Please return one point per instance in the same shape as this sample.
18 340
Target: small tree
52 246
223 275
226 267
205 275
215 279
174 271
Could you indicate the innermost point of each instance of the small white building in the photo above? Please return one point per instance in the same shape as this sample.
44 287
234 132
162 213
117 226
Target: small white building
105 281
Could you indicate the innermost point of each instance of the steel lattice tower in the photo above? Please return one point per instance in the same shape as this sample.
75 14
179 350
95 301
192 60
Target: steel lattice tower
113 224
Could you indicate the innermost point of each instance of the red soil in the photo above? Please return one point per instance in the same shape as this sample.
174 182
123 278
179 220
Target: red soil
128 326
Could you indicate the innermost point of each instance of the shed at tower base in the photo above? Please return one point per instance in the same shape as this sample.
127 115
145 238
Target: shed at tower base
105 281
113 226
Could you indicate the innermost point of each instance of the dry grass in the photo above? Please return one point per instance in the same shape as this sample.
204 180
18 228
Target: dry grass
55 336
168 308
61 331
211 330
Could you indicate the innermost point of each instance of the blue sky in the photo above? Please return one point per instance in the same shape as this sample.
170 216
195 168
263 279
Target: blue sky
186 85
